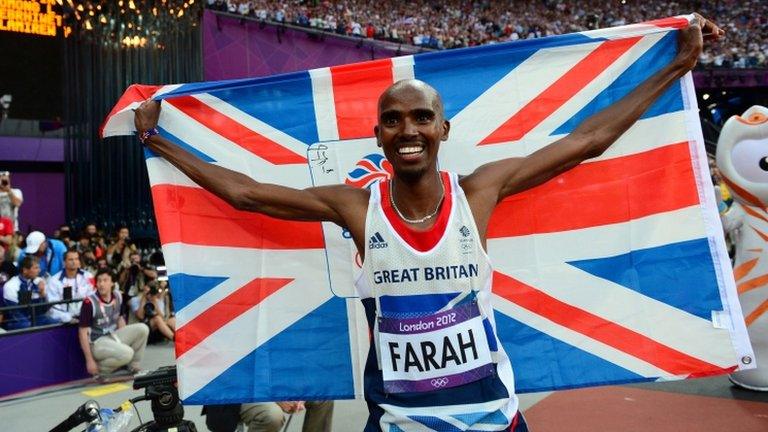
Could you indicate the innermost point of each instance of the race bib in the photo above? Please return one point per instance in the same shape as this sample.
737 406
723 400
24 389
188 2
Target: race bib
447 349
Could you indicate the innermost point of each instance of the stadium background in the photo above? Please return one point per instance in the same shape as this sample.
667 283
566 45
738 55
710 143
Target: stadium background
63 86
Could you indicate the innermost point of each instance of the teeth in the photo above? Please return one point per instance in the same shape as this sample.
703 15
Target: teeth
410 150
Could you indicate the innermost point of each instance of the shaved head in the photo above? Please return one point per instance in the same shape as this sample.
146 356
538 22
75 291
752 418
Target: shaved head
407 86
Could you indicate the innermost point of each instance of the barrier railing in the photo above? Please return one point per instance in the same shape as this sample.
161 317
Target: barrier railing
33 314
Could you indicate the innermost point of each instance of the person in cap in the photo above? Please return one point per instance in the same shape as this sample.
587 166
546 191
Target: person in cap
50 253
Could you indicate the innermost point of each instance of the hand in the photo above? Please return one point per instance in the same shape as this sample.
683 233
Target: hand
146 115
690 40
91 366
41 288
290 407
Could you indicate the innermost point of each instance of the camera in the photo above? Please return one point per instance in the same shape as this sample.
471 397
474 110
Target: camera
160 388
149 310
134 268
162 273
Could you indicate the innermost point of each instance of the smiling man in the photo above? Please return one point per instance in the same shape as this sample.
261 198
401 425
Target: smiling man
426 278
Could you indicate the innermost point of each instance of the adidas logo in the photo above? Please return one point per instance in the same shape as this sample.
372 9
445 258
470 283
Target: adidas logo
464 231
377 242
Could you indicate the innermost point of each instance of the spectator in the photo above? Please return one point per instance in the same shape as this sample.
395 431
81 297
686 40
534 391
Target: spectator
50 252
153 309
7 271
80 284
455 23
10 199
6 232
14 291
65 235
107 343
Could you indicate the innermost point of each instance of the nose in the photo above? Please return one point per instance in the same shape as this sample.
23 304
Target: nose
410 128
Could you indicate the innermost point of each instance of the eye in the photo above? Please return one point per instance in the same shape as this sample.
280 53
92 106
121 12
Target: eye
764 163
389 121
750 160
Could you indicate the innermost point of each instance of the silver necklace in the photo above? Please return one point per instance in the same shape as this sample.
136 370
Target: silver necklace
420 220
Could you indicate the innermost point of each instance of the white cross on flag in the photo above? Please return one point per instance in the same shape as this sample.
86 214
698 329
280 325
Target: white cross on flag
613 272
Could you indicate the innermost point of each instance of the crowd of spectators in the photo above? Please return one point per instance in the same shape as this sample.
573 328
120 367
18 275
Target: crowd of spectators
455 24
115 292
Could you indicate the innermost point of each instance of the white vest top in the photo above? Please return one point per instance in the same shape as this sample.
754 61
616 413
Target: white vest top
409 274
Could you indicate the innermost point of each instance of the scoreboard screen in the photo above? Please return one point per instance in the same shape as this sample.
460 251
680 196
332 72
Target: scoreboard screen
35 17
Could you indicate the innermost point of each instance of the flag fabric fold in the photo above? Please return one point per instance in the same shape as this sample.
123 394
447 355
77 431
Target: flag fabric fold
613 272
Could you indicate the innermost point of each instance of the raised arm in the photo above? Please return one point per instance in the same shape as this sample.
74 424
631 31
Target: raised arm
330 203
492 182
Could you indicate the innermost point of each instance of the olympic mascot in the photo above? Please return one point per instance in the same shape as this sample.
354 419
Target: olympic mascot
742 158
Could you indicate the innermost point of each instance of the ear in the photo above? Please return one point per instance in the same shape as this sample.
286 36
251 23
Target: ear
376 133
446 129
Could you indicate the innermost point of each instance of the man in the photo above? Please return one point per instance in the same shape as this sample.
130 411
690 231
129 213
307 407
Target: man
10 199
152 309
465 373
65 235
50 252
269 416
118 252
107 343
14 290
79 282
6 231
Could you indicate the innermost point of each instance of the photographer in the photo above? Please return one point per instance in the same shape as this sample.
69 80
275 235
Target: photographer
10 199
91 239
135 275
119 250
153 309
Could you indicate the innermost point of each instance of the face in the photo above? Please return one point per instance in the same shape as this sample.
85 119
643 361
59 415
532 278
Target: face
742 156
104 284
90 229
135 258
123 233
43 247
410 128
31 272
72 261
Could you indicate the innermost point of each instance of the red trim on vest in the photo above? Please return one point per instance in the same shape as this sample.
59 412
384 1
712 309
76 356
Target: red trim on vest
422 241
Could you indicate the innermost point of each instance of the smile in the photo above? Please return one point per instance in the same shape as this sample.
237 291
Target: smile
410 150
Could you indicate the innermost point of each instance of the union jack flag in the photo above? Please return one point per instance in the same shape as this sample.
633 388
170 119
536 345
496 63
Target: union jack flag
613 272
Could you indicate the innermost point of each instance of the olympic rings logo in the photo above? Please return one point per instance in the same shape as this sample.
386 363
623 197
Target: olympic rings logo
439 382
